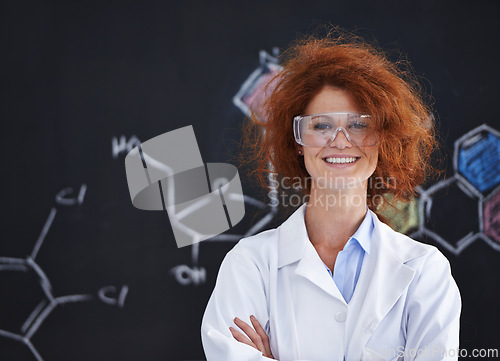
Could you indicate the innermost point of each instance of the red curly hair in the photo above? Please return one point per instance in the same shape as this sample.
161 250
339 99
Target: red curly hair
386 90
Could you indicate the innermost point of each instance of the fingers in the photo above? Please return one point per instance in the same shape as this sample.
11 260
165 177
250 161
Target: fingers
241 338
263 335
257 337
251 333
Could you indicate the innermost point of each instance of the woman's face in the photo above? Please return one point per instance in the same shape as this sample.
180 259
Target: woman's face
327 172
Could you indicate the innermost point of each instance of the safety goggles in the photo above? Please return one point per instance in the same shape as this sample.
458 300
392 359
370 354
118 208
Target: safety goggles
319 130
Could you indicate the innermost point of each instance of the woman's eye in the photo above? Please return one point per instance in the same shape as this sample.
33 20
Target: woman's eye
321 126
358 125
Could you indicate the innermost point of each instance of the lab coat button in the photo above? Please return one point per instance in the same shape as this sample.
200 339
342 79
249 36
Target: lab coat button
340 316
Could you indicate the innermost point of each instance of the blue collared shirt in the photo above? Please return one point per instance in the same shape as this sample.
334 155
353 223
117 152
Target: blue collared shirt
349 261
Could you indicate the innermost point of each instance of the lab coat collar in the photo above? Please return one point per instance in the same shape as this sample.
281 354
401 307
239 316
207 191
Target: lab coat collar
383 279
293 239
294 245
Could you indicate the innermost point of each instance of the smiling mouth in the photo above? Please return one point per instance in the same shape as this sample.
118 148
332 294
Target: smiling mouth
342 160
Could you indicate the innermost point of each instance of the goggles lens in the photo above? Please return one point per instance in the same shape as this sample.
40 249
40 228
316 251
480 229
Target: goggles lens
319 130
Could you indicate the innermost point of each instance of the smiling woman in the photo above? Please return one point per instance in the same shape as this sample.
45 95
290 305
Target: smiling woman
388 92
333 282
342 160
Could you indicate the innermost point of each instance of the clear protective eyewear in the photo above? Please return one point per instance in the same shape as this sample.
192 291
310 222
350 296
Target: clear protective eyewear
319 130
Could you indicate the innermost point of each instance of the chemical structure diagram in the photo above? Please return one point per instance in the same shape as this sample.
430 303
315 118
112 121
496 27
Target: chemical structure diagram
110 294
250 95
194 274
475 185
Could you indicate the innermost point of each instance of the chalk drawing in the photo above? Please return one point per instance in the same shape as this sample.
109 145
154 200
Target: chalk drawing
491 214
173 159
107 294
402 216
476 164
249 97
478 158
120 145
253 92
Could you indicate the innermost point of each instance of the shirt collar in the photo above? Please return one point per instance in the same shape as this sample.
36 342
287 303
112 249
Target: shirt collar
293 237
364 233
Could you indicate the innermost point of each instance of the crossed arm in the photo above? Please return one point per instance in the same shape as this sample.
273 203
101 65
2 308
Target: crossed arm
431 312
255 337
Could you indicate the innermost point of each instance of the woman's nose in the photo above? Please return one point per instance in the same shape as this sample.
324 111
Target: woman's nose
340 141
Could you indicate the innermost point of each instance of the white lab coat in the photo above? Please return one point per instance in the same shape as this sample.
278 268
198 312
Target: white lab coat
405 299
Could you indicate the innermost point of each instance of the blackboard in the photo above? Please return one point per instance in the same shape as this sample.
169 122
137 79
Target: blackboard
86 276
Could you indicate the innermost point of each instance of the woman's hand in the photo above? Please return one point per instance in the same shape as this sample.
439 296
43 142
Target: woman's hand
257 337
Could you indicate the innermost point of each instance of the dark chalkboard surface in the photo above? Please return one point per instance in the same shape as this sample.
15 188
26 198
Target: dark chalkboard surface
86 276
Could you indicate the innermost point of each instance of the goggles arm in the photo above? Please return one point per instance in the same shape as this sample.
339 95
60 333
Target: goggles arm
296 130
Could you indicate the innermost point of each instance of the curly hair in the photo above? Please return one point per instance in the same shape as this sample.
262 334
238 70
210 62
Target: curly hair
388 91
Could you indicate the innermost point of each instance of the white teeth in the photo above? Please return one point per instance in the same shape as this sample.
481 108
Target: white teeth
333 160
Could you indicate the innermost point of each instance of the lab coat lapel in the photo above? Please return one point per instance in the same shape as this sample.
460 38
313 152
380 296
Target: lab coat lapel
380 285
383 279
312 267
292 238
291 245
294 245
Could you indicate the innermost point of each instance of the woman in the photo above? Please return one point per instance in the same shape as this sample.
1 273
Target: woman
333 282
